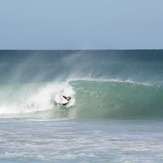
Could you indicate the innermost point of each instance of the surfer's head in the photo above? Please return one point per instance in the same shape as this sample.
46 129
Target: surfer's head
68 98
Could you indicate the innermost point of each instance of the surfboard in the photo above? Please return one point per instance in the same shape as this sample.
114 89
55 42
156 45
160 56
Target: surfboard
60 100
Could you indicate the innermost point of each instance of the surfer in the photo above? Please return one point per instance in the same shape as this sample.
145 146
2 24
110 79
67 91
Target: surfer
68 98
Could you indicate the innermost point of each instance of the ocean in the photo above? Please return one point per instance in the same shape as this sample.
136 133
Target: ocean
115 114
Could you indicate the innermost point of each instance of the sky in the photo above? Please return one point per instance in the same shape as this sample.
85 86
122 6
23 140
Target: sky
81 24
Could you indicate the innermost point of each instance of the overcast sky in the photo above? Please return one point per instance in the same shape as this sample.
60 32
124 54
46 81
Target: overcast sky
81 24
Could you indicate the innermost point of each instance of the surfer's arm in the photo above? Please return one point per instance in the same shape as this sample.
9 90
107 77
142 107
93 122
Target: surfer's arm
64 97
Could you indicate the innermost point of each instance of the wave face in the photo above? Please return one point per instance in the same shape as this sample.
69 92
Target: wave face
102 83
108 99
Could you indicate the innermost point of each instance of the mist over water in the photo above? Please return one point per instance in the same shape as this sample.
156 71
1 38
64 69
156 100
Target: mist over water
29 66
105 84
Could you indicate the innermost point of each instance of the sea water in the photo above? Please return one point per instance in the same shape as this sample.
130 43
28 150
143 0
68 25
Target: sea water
115 115
50 140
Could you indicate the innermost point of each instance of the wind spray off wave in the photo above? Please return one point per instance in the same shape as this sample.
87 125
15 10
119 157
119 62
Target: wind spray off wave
31 79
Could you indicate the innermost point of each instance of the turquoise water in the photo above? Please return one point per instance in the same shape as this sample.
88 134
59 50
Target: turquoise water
115 114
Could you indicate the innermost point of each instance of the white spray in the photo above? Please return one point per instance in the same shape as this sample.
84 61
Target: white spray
33 97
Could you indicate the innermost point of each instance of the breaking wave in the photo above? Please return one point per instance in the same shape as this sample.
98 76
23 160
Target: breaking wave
90 99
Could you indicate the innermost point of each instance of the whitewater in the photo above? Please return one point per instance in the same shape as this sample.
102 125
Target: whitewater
115 113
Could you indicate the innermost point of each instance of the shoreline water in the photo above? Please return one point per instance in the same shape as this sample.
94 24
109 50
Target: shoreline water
80 141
